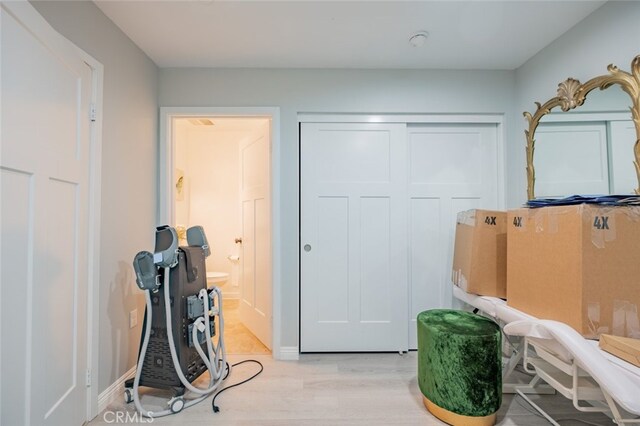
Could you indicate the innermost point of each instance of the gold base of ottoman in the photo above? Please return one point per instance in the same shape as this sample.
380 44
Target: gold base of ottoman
457 419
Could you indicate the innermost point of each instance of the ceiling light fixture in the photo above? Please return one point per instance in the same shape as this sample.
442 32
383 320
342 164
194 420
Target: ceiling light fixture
418 39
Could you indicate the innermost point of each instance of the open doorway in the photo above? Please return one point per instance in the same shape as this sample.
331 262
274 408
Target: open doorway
221 181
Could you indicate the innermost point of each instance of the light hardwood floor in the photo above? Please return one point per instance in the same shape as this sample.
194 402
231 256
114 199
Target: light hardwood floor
338 390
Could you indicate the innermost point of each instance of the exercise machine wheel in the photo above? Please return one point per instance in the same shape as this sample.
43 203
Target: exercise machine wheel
176 404
128 396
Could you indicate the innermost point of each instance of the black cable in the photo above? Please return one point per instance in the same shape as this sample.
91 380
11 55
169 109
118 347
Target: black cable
228 371
213 401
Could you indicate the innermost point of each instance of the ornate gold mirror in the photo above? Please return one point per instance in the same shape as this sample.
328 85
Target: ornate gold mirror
572 94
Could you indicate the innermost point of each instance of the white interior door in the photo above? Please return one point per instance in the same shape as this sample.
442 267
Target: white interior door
452 168
46 92
571 158
353 237
255 261
623 172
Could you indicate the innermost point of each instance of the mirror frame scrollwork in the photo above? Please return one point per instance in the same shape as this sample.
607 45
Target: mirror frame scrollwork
572 94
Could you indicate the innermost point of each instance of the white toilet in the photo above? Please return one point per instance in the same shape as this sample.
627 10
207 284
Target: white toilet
216 279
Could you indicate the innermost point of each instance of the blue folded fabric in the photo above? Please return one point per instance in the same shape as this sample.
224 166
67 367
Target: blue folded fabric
605 200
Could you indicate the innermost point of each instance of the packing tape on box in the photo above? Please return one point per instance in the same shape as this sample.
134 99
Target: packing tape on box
625 319
459 279
546 219
593 316
539 222
553 216
552 223
601 219
467 217
548 222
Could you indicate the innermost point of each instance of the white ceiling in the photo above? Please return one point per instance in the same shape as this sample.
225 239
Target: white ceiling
344 34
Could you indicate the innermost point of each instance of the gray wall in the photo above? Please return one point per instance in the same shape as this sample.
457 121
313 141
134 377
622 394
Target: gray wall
129 158
330 91
609 35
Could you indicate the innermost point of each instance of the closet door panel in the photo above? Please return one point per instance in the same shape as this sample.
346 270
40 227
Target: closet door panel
623 173
353 237
451 168
571 158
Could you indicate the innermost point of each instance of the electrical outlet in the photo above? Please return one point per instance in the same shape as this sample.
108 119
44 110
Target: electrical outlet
133 318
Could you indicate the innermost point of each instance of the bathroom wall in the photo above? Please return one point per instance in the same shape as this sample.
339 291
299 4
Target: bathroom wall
212 193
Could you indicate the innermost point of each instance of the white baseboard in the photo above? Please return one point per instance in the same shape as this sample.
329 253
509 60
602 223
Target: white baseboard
115 391
289 353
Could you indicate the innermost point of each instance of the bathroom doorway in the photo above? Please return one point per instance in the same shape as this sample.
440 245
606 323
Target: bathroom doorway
222 181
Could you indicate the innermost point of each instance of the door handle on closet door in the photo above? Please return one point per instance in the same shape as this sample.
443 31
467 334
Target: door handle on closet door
307 247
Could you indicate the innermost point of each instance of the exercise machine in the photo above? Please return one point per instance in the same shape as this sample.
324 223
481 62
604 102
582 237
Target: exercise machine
177 343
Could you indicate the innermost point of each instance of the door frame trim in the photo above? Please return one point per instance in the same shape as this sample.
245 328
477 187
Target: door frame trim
572 117
41 29
166 211
95 205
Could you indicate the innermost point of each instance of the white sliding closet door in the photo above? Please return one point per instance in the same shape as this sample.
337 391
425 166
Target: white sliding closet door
623 173
353 237
451 168
378 210
571 158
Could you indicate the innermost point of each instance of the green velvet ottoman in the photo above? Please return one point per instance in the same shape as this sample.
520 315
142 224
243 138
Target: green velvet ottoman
460 366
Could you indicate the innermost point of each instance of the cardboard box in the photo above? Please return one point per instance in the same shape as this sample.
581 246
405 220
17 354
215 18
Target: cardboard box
479 259
622 347
577 264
